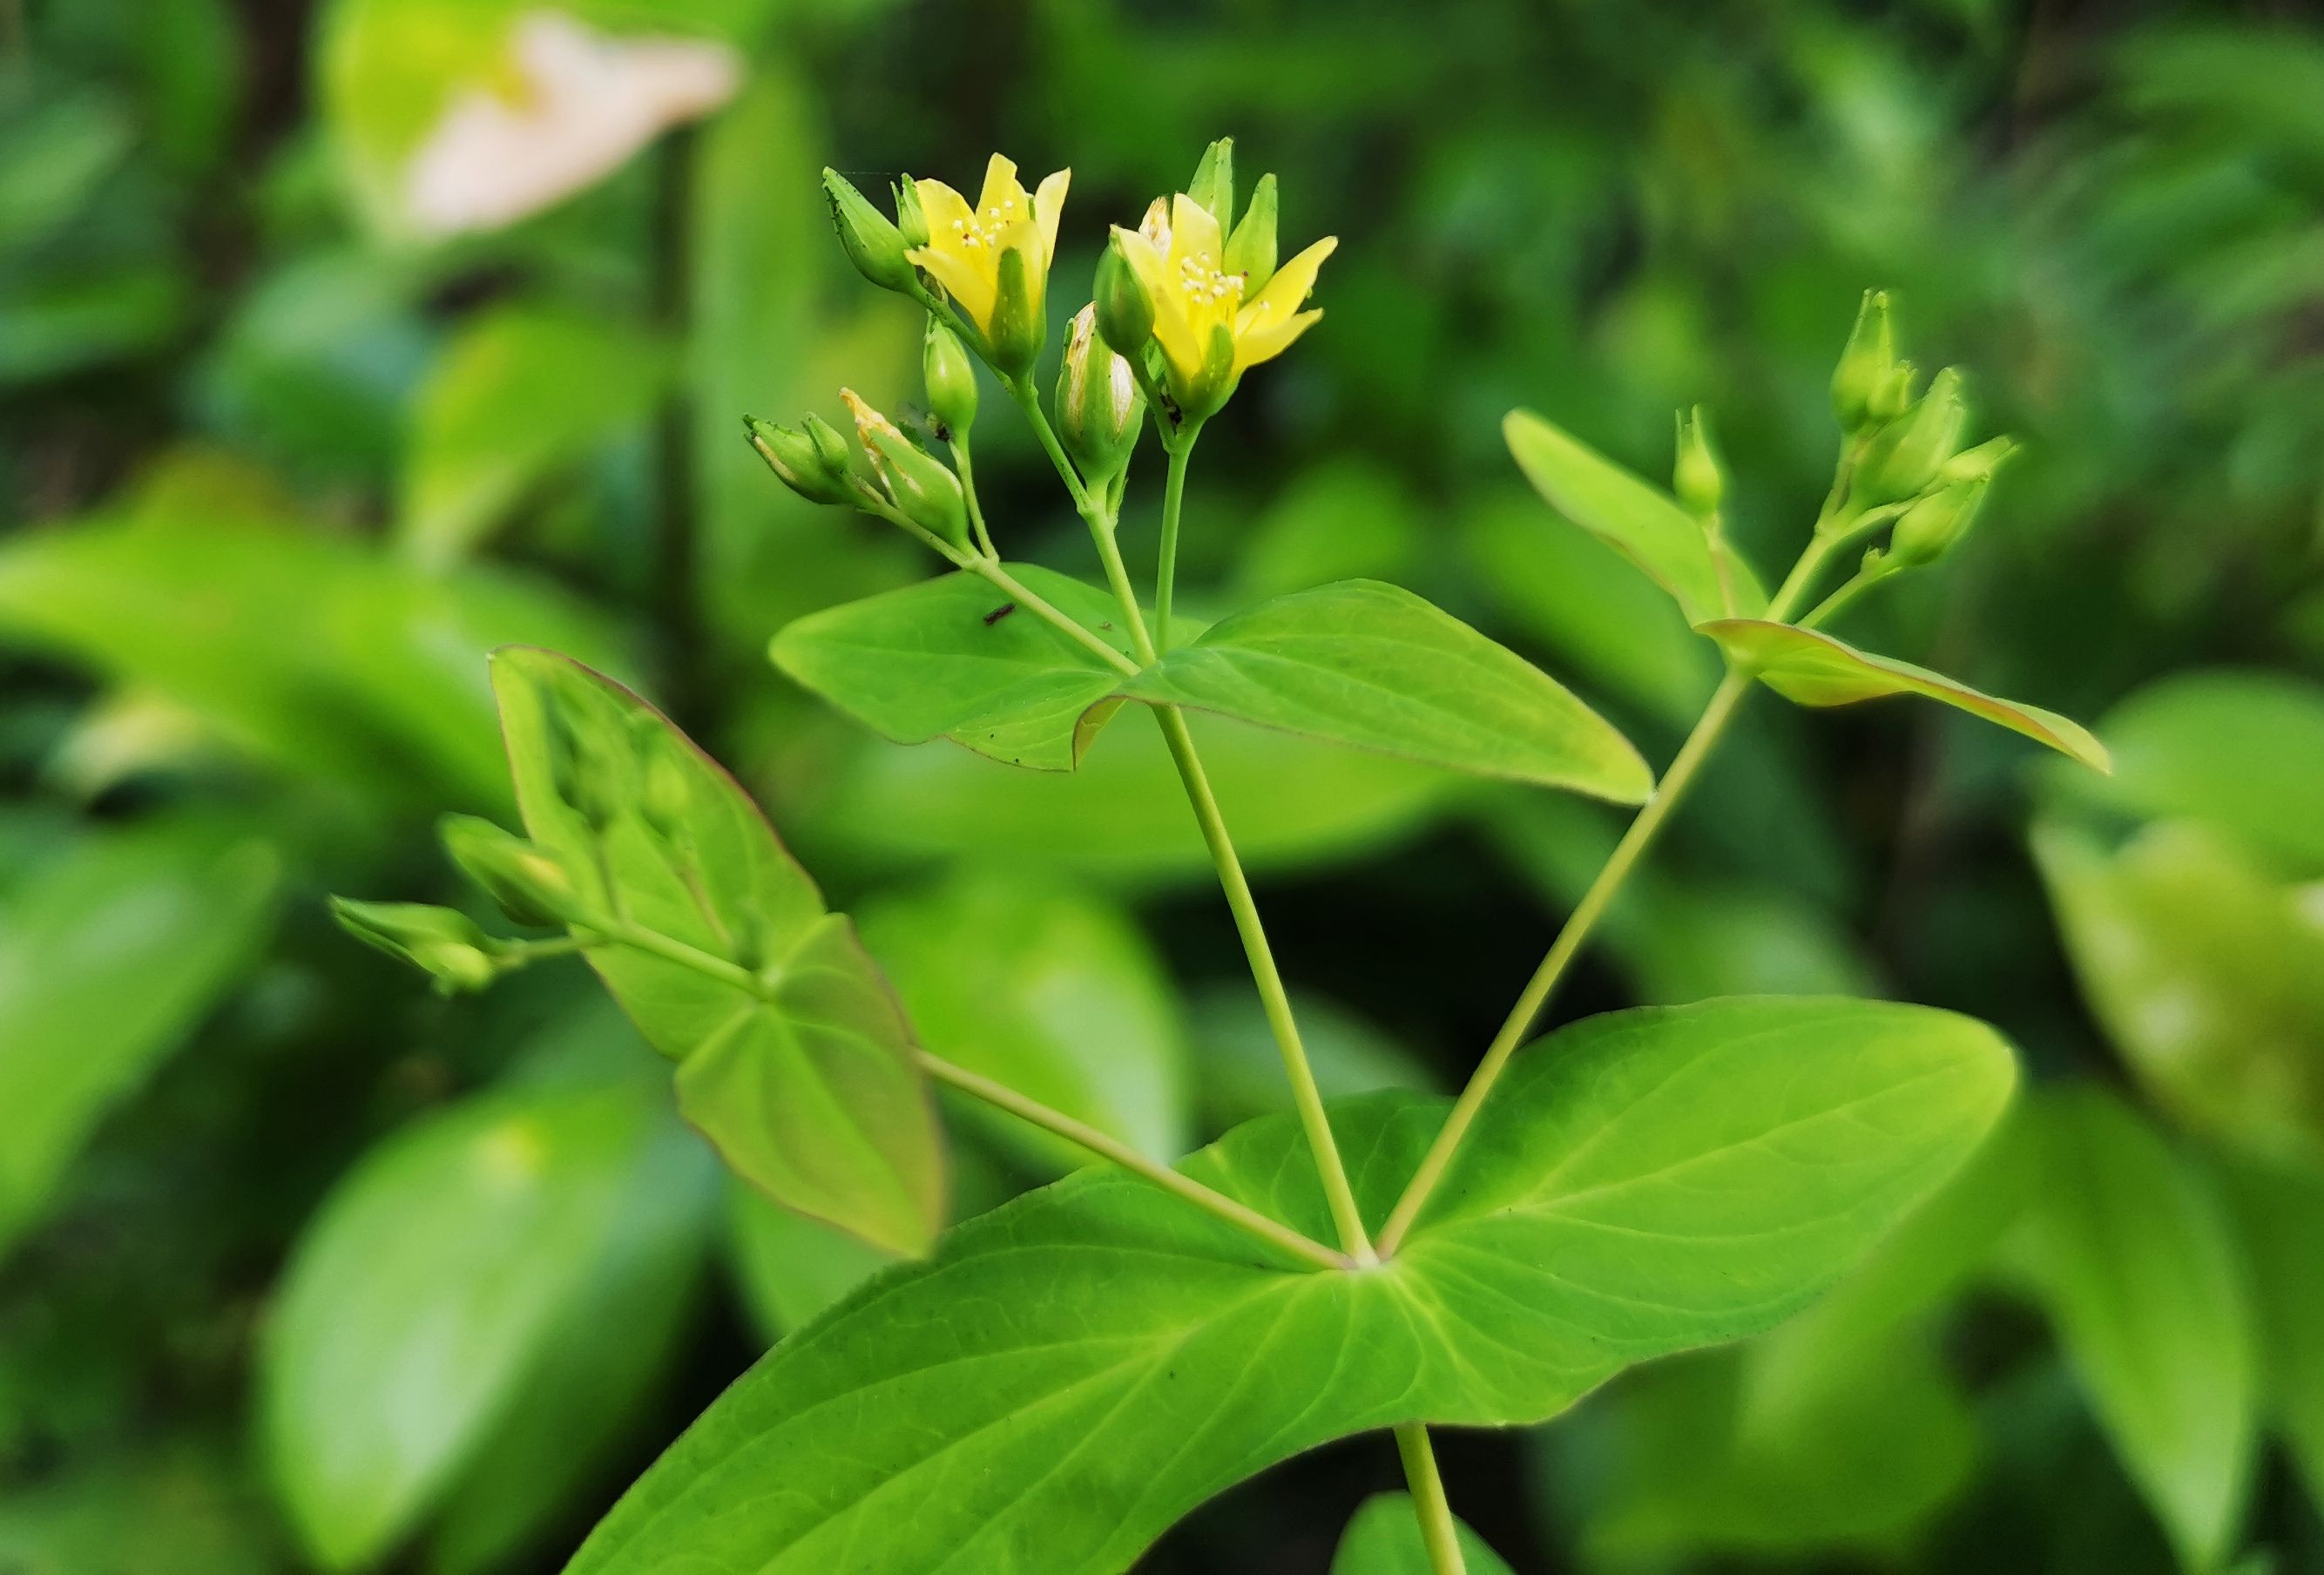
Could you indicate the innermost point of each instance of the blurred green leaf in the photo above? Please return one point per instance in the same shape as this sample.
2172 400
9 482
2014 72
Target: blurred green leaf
1574 593
1374 666
2279 1210
1813 669
524 389
181 1507
1345 518
2207 973
53 156
953 657
2236 748
811 1092
60 321
322 657
1638 521
1239 1067
110 954
790 1267
1055 994
1383 1538
440 1280
1060 1414
2129 1253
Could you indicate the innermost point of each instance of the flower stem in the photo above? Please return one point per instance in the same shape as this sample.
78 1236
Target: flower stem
1082 1135
968 489
1439 1533
1174 497
1009 585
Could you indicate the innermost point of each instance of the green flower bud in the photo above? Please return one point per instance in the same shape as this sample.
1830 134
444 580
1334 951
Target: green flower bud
1125 312
1099 409
921 486
1980 463
873 241
1935 525
1250 249
445 945
1865 365
1214 183
1017 330
831 445
1905 456
797 462
951 379
911 222
524 879
1893 397
1696 478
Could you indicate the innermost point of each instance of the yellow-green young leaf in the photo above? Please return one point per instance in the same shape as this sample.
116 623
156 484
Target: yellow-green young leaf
1640 521
1055 994
2206 972
524 389
1815 669
953 657
2239 749
109 955
2130 1254
1639 1184
1374 666
2281 1211
433 1286
1383 1538
812 1095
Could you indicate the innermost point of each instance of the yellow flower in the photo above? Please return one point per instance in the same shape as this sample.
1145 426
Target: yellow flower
1208 332
968 251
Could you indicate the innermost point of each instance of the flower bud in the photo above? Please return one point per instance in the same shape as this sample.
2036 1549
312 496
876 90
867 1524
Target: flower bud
797 462
1933 526
1018 328
1125 312
922 487
873 241
1865 365
911 222
1696 478
522 879
951 379
1250 249
1099 409
444 943
1903 459
1893 397
1980 463
1212 186
833 448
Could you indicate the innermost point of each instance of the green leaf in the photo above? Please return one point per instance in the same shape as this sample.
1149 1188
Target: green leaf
1374 666
2280 1211
325 659
790 1267
1293 802
1641 521
2236 749
2207 973
1239 1068
423 1297
1814 668
525 389
1057 995
953 657
2128 1251
1639 1184
1383 1538
811 1095
109 955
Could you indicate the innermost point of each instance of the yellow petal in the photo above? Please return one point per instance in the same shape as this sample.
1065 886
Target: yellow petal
946 210
1175 334
972 284
1267 342
1284 292
1194 231
1003 191
1048 203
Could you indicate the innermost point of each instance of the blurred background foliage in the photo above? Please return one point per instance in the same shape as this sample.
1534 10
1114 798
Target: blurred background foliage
341 342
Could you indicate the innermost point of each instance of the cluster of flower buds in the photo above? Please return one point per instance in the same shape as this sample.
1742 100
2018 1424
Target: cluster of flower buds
1907 443
442 943
898 479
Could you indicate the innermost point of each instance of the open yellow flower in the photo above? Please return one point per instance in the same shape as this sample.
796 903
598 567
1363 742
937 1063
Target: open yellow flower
1208 331
980 254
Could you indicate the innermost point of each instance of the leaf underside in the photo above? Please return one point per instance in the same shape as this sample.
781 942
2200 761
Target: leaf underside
1813 669
1640 1183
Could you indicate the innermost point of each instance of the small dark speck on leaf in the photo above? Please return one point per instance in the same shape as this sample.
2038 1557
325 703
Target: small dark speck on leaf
997 613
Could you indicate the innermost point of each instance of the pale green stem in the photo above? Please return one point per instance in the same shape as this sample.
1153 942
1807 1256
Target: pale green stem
1439 1533
968 489
1174 497
1015 589
1583 920
1000 1095
1840 600
1085 1136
